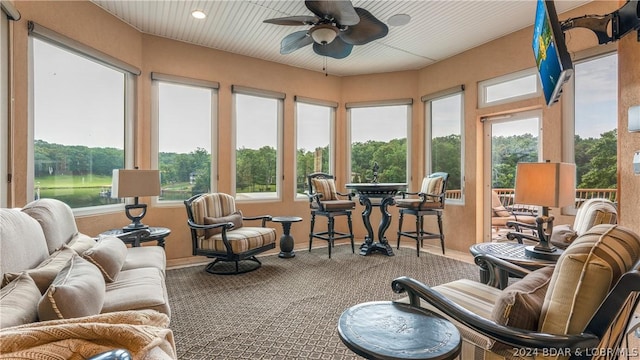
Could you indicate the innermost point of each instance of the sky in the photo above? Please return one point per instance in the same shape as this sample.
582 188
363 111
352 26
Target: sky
73 93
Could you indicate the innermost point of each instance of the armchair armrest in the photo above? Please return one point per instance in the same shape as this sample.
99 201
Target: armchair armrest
493 265
264 218
508 335
348 195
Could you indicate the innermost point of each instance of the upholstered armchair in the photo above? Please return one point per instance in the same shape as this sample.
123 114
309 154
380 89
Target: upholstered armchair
218 231
500 215
592 212
325 201
428 201
580 308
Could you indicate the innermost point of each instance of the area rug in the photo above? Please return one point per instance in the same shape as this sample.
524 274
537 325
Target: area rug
289 308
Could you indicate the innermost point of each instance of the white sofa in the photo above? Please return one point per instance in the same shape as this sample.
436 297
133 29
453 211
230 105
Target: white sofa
53 277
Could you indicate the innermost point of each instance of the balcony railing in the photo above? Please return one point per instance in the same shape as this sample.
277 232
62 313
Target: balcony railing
507 196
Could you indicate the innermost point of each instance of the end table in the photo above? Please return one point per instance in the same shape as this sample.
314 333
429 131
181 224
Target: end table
156 233
286 240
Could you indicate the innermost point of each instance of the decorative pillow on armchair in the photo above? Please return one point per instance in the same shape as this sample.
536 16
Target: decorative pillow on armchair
326 188
235 218
520 304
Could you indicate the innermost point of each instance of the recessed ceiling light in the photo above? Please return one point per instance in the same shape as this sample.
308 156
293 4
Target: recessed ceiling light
399 20
198 14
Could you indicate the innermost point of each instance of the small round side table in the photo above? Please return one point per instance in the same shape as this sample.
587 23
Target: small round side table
389 330
286 240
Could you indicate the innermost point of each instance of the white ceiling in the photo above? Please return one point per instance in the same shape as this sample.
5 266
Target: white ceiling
438 29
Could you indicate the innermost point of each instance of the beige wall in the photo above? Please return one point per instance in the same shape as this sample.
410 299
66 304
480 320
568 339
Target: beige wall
463 223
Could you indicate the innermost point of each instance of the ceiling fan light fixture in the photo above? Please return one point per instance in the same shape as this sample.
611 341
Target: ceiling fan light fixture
324 34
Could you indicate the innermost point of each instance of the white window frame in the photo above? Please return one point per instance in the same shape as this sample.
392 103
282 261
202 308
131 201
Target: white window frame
130 80
381 103
236 89
483 86
212 86
427 100
332 153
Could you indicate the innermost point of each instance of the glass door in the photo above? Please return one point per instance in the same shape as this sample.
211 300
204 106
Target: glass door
509 139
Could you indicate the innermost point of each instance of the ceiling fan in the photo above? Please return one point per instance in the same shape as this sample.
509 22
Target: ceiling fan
336 27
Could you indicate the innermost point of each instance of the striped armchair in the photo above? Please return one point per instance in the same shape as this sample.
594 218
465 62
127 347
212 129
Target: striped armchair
218 231
581 308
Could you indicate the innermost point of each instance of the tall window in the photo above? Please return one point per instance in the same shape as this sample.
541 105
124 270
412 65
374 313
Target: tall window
596 122
379 135
80 114
444 134
258 117
313 138
185 119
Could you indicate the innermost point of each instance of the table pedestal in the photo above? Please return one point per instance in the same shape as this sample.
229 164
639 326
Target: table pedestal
286 240
369 244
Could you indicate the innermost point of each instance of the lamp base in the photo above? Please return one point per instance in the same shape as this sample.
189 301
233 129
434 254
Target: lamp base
134 227
542 254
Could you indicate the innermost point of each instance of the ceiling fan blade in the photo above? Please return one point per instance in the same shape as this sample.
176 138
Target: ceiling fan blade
336 49
293 20
368 29
294 41
341 11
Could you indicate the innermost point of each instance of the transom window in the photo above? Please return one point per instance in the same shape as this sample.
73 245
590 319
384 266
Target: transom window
508 88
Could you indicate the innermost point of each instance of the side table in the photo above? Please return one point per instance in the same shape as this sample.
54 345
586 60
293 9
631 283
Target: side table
286 240
156 233
507 251
390 330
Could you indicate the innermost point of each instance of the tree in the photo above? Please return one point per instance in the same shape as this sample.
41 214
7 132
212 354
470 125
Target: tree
603 163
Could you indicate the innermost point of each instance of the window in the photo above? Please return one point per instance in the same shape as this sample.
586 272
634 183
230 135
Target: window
258 118
444 114
82 118
184 118
379 135
509 88
314 123
596 122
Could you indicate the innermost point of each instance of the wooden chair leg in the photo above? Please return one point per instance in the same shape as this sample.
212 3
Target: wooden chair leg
400 228
313 223
441 232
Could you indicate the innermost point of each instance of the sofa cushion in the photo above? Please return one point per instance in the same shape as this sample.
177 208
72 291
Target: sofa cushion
23 245
77 291
235 219
108 255
44 274
19 302
56 219
137 289
584 274
145 256
326 188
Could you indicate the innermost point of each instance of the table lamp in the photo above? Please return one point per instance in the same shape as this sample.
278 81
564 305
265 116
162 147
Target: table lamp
135 183
548 185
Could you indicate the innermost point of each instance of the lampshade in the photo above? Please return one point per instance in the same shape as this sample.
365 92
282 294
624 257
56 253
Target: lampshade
324 34
135 183
545 184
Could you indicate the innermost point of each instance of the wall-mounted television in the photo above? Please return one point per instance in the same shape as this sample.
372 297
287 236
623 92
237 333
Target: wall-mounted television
550 51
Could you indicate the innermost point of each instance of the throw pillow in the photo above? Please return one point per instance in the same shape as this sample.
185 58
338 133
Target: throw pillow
19 302
326 188
81 243
501 211
235 218
44 273
520 304
562 236
108 256
77 291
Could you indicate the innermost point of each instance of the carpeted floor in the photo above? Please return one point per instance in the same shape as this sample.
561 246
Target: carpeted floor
289 308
